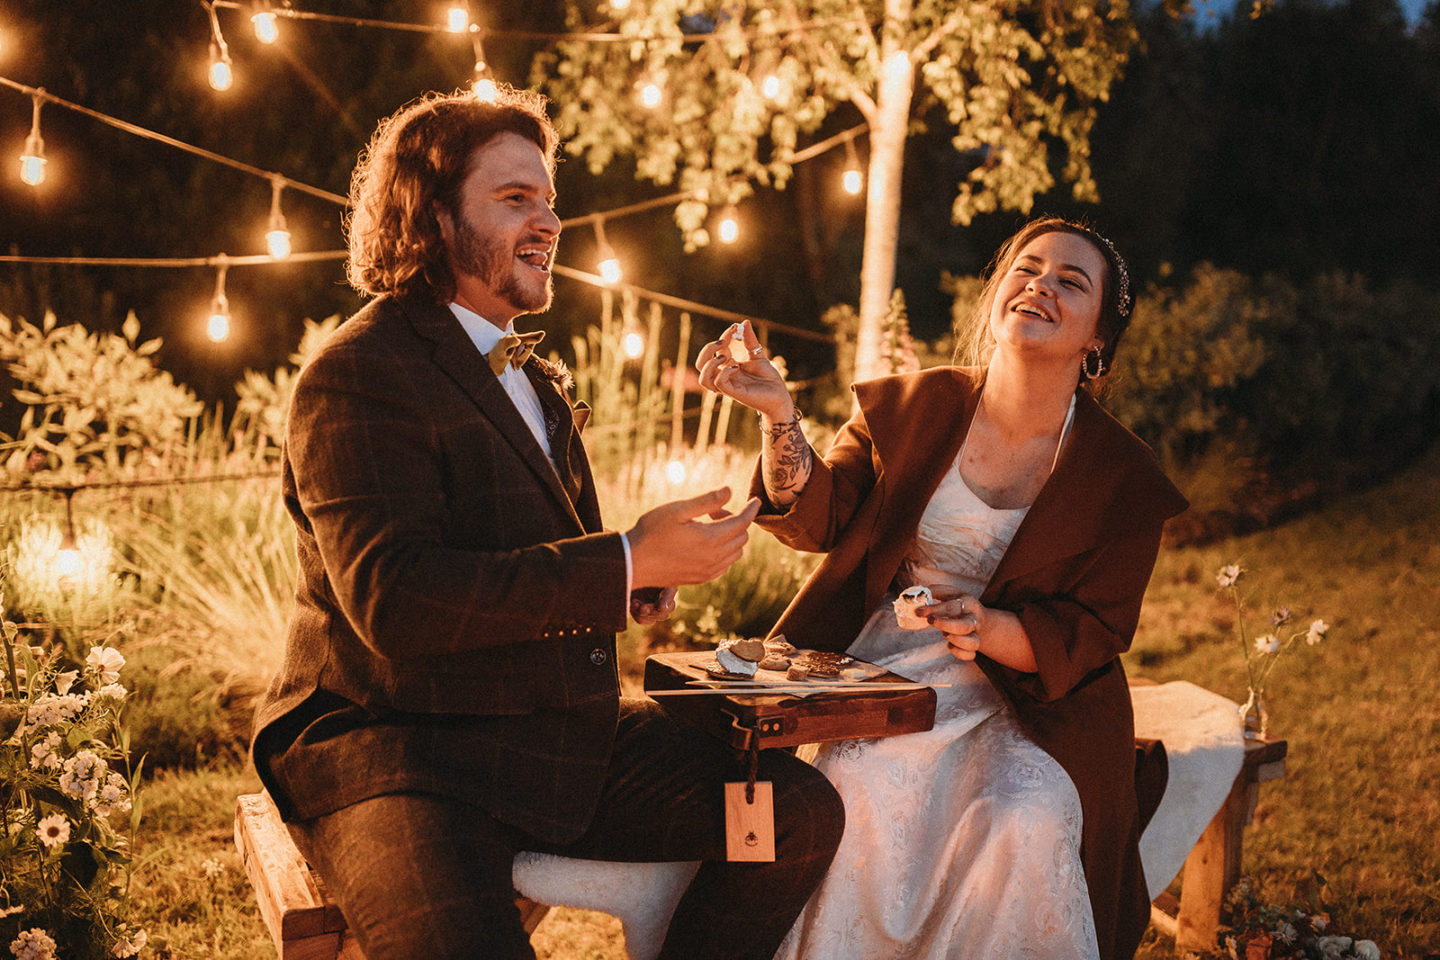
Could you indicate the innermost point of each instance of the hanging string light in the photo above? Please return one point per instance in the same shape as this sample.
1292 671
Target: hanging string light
853 179
67 558
609 264
266 29
457 18
221 73
277 233
651 93
770 87
619 5
32 161
218 326
483 86
729 229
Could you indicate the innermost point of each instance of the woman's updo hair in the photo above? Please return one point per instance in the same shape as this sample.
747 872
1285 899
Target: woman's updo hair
1116 301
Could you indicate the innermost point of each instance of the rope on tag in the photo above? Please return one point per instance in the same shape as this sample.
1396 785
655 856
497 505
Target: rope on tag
754 769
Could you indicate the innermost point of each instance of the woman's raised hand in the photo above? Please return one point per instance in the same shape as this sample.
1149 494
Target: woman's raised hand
736 365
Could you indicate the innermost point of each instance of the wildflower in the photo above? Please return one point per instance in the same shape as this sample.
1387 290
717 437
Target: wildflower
1228 575
64 681
1319 922
82 775
110 797
54 831
1267 644
33 944
105 661
11 910
128 946
1367 950
1287 933
1280 617
115 691
44 754
213 868
1317 632
1333 948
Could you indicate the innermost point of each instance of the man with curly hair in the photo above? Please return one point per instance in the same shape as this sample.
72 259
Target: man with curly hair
449 694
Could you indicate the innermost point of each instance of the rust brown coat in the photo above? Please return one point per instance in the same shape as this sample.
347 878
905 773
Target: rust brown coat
1075 575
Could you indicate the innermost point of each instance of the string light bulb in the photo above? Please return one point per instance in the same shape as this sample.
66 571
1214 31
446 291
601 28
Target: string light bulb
32 161
67 558
483 87
853 178
266 29
457 19
609 264
675 472
620 5
651 94
277 233
729 230
221 73
218 326
770 87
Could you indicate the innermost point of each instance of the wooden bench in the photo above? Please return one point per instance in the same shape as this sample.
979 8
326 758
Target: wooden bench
1213 866
303 921
306 925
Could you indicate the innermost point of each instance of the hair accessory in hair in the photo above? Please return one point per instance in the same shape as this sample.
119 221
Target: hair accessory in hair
1123 301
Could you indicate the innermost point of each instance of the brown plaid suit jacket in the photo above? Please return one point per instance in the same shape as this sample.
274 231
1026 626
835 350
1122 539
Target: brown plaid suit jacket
454 618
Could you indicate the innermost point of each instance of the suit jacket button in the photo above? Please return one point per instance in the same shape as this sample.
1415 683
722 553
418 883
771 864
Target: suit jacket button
598 657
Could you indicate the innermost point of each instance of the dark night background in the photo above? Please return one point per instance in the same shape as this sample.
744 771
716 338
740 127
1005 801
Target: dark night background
1299 143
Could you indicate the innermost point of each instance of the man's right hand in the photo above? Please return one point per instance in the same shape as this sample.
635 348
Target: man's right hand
671 545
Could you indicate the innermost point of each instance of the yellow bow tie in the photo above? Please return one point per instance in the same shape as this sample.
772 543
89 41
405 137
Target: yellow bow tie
514 349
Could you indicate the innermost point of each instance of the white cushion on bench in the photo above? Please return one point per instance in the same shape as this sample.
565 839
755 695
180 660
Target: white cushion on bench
1201 733
1203 743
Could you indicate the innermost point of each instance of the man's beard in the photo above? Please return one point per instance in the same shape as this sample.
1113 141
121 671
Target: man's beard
495 265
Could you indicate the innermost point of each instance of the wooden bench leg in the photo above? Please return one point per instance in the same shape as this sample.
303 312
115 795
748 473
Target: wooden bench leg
1212 868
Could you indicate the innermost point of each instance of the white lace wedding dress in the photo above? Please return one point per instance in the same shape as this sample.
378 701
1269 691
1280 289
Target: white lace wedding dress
964 841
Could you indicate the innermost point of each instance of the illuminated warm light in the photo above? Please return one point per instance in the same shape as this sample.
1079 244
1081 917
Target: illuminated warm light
632 343
651 95
853 179
32 161
770 87
217 328
608 264
266 29
485 90
897 66
66 565
729 226
610 270
675 472
619 4
457 20
277 232
221 75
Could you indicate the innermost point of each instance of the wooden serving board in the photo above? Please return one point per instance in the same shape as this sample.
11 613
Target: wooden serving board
784 720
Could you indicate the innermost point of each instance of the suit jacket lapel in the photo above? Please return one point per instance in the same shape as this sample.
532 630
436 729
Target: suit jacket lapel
560 424
456 354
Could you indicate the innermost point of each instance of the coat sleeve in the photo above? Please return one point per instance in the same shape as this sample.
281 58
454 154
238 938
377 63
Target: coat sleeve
839 483
1081 614
401 504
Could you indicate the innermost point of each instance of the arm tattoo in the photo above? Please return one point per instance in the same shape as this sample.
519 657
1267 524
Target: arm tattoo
786 461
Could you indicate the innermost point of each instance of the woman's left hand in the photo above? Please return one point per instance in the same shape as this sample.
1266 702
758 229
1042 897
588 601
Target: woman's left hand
646 612
962 620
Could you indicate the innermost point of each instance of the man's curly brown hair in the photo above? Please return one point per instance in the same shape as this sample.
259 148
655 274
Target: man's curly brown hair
415 163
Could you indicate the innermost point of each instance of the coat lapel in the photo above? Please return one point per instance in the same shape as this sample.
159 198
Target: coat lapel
457 356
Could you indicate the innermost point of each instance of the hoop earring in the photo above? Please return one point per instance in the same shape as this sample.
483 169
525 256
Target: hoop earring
1099 370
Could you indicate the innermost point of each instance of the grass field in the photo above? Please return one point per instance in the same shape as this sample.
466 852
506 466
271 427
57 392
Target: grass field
1360 804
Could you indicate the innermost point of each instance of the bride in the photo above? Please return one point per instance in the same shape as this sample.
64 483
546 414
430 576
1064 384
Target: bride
1011 828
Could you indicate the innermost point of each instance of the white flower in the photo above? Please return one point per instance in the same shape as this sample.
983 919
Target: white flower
11 910
1333 948
54 830
213 868
1267 644
128 946
82 775
33 944
64 681
1287 933
1317 631
115 691
1319 922
1228 575
44 754
105 661
111 797
1367 950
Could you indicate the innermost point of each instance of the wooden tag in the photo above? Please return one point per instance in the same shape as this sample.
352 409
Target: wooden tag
750 827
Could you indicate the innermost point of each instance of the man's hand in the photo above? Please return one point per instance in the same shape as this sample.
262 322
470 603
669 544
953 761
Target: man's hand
651 604
669 545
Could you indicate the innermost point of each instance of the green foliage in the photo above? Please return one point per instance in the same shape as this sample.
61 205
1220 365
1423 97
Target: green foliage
93 401
68 803
1013 80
